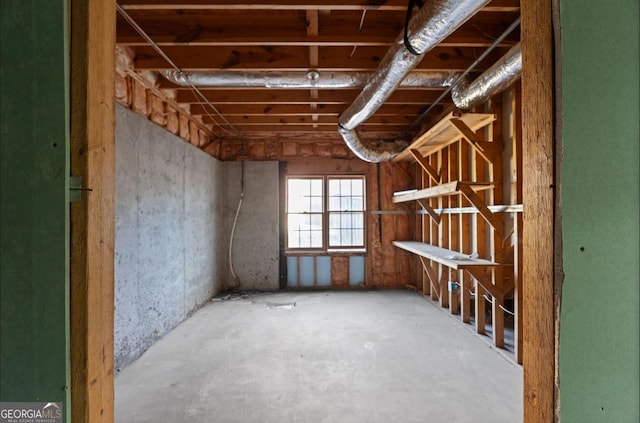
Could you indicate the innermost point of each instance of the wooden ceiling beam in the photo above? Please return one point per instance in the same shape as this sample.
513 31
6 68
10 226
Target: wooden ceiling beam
277 30
394 5
303 135
297 110
262 5
466 38
328 128
236 120
285 35
296 58
325 97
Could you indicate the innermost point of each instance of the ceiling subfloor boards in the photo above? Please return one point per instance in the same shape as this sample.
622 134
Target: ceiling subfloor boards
287 35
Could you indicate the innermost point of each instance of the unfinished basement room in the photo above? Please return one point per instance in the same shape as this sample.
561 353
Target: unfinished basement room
332 211
346 182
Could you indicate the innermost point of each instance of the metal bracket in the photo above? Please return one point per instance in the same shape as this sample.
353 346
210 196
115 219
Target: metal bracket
75 189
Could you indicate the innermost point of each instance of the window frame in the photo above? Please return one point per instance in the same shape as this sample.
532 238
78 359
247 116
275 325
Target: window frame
326 248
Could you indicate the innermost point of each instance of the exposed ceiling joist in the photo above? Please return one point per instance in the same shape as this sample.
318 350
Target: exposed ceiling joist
288 35
386 5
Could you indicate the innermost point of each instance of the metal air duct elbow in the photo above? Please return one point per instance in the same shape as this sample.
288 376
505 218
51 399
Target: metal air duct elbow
431 25
370 153
494 80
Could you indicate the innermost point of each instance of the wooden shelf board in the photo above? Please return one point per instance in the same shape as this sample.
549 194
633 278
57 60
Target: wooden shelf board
450 188
445 133
452 259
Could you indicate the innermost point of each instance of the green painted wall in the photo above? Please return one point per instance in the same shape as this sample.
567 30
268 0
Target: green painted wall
600 211
34 336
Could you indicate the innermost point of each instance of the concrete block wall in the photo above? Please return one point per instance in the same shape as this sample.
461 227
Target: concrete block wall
169 227
256 244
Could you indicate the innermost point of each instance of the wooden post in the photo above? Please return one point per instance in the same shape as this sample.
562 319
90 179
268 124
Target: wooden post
435 226
92 219
537 145
443 229
454 227
466 233
517 227
494 134
478 174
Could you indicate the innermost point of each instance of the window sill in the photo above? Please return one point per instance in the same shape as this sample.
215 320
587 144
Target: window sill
337 251
331 252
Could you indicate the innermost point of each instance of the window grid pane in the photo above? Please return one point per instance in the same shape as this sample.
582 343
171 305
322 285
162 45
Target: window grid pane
305 207
346 195
306 211
346 217
346 229
305 195
304 230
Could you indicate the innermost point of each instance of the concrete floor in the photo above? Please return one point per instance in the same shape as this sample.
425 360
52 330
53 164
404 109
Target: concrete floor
373 356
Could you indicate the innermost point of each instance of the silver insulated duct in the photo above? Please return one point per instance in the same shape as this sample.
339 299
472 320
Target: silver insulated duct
492 81
303 80
431 25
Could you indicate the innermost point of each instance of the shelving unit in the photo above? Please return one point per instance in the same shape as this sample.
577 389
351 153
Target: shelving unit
468 189
452 259
447 131
459 168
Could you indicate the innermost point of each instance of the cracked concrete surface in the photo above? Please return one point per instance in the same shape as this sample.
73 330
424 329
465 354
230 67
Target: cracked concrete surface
367 356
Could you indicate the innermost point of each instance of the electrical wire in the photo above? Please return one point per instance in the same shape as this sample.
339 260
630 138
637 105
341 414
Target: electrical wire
233 229
500 305
507 310
359 30
194 89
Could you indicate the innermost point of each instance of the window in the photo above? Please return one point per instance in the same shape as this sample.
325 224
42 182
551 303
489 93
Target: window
325 213
346 212
305 209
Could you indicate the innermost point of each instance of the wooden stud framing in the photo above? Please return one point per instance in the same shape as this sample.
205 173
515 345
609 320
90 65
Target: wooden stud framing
494 133
443 228
422 161
488 150
430 211
482 208
454 227
518 252
538 189
92 220
474 158
465 233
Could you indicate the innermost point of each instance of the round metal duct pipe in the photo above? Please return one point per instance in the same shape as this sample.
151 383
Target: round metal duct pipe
494 80
431 25
302 80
